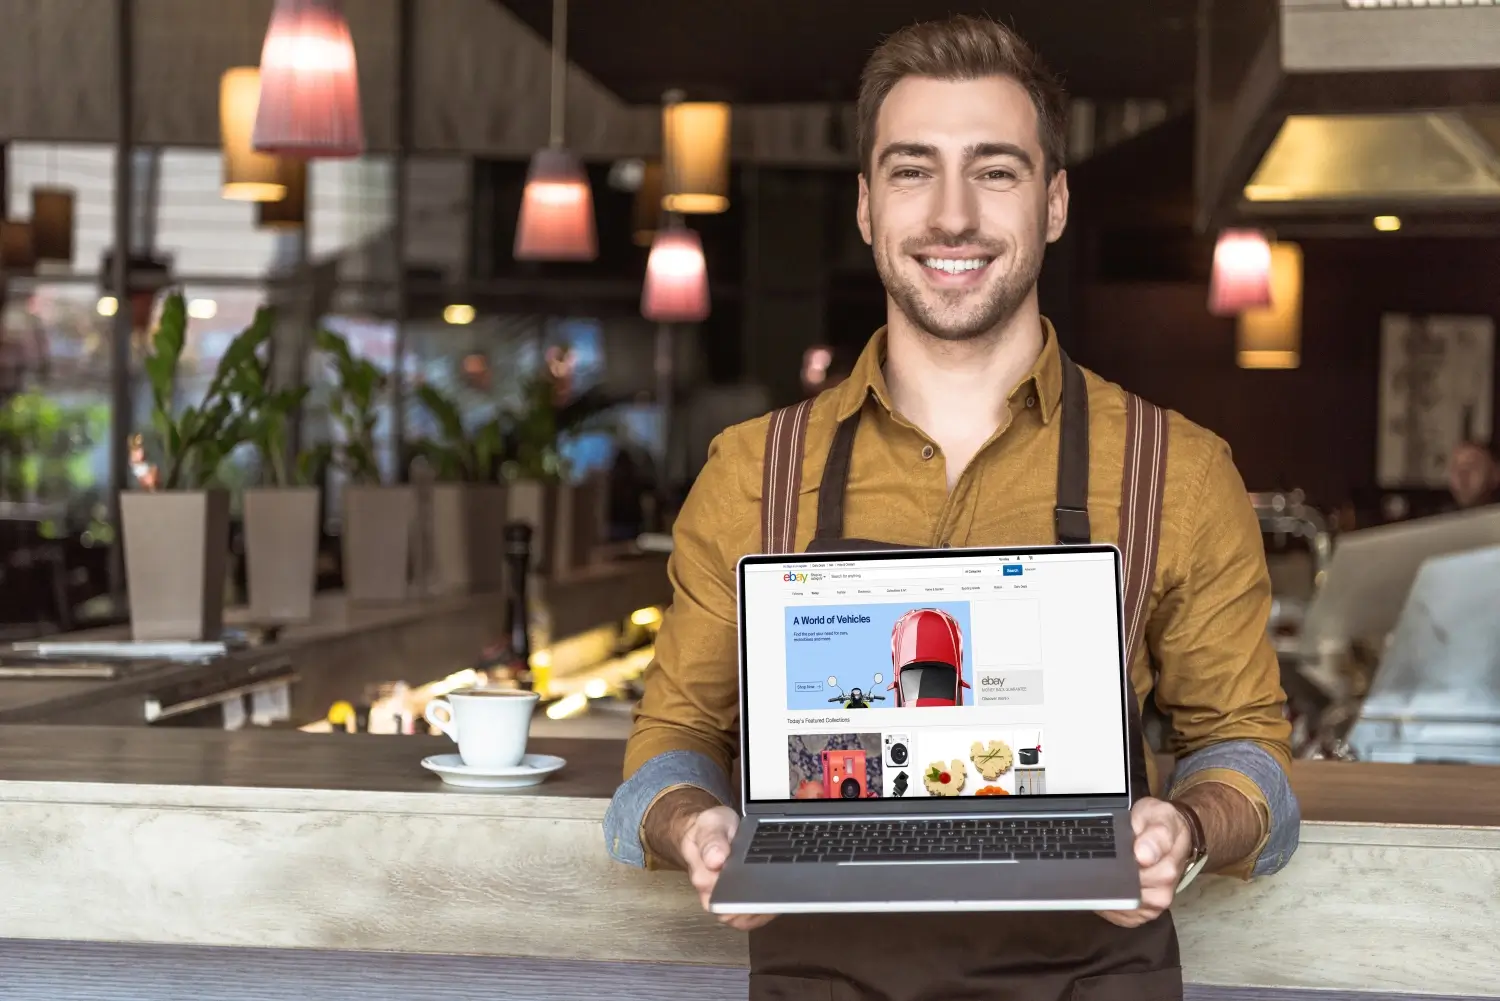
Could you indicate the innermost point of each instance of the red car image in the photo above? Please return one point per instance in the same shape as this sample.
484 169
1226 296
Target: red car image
927 658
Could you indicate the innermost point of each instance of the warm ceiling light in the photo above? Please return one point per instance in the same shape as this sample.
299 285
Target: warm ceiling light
695 141
676 289
52 224
1271 337
557 208
248 176
1387 223
108 306
1241 273
309 103
459 314
202 309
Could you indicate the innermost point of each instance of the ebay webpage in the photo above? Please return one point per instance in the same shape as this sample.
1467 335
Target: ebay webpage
977 675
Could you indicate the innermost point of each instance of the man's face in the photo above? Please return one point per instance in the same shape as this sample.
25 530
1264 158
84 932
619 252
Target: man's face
1473 475
955 202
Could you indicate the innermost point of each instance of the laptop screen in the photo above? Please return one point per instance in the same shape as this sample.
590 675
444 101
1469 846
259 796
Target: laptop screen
908 675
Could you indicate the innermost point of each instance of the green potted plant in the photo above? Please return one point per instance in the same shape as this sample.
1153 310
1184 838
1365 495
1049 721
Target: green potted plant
176 528
567 519
468 508
281 513
378 518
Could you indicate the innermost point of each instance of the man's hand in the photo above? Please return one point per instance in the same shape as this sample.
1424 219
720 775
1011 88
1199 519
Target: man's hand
1163 842
703 846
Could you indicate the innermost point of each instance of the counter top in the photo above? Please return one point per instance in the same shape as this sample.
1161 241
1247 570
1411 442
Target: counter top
343 842
437 630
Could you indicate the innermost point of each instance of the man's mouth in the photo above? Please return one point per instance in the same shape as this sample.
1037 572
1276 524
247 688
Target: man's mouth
956 266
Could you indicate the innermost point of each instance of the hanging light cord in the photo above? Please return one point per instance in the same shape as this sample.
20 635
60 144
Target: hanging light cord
559 69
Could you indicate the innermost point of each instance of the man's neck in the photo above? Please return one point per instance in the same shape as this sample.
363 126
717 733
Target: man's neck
960 388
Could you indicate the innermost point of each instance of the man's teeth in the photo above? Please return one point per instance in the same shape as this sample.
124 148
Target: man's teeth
955 267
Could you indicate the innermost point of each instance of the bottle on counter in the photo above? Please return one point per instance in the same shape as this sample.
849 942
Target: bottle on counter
517 610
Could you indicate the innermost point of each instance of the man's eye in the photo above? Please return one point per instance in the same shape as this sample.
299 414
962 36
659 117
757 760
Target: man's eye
999 174
907 173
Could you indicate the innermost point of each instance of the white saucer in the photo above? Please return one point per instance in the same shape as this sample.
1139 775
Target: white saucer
531 771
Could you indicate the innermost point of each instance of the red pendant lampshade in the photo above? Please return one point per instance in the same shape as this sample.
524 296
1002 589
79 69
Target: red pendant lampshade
676 288
309 93
1242 273
557 210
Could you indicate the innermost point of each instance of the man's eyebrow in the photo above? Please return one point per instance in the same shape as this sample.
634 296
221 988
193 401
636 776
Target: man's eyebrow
916 150
972 152
981 151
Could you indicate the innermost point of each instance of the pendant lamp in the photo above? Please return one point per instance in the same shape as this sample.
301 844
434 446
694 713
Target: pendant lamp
309 105
52 224
676 289
291 212
557 209
248 176
1271 337
1241 274
695 139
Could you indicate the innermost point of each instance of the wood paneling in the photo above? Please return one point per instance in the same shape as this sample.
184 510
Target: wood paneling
1313 427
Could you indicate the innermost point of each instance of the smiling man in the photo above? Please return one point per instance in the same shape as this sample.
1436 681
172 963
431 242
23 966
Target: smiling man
950 431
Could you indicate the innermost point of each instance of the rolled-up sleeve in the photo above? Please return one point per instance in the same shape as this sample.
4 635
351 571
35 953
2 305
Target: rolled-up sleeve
685 724
1218 680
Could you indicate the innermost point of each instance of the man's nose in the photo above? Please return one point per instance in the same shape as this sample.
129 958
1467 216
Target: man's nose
955 211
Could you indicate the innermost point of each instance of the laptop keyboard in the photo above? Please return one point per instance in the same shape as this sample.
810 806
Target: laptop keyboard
990 840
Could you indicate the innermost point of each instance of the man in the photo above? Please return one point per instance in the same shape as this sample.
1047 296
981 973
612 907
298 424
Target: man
1473 476
961 188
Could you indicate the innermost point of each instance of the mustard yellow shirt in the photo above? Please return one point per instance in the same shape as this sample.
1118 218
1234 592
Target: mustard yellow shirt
1206 651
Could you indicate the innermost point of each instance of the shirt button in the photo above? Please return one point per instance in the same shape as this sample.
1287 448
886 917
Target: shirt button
927 451
1031 401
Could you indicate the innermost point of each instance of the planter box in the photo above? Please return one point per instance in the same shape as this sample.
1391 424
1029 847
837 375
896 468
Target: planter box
378 525
176 557
468 544
535 503
281 552
581 523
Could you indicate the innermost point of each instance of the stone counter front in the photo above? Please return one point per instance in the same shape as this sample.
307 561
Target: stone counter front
344 844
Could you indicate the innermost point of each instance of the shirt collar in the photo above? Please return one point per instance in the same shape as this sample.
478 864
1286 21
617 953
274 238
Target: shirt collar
868 379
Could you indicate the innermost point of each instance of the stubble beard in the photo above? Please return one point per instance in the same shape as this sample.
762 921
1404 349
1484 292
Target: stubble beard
929 310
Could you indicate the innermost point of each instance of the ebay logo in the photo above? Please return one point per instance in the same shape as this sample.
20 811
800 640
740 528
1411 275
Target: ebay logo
800 578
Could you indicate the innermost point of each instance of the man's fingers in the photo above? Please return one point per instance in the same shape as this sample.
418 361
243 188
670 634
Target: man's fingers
1153 844
1163 874
746 922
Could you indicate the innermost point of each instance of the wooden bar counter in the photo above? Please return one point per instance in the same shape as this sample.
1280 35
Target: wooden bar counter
166 864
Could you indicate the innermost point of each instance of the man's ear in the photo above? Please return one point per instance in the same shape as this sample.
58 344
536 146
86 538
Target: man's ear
1057 206
862 213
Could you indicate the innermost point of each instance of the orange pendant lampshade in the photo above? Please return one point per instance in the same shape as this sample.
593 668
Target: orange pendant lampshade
676 289
309 98
1242 273
557 210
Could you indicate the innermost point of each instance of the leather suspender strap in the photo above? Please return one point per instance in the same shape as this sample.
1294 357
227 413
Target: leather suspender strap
835 481
1140 509
1071 515
781 477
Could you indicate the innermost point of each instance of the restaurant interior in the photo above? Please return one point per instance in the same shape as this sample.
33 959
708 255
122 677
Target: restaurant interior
316 409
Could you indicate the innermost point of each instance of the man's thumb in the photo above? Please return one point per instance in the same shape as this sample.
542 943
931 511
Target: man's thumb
713 846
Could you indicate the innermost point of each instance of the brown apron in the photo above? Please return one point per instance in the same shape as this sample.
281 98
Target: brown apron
1042 956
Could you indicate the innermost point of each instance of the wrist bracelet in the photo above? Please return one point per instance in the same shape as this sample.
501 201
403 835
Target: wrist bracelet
1195 830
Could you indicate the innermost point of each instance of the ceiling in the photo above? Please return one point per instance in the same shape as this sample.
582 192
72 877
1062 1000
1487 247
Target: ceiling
769 51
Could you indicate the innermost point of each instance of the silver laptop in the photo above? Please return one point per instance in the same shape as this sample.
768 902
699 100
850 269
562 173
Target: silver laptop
932 730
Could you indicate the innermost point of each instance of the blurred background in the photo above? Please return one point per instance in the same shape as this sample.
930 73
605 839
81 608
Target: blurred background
1341 155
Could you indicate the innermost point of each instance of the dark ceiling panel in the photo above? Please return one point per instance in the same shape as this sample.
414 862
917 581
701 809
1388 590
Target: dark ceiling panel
812 50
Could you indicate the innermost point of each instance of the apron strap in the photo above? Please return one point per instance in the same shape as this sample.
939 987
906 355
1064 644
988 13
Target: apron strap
1139 539
1140 508
781 477
1071 515
835 481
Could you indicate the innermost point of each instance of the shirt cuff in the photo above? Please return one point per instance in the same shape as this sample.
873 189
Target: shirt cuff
655 778
1250 768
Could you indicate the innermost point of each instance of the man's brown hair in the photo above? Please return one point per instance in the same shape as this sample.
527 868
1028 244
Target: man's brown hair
963 47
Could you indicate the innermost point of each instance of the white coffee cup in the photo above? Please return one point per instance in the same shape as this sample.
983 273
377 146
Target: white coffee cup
489 725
